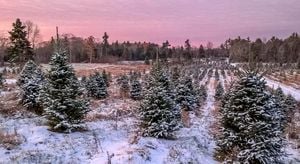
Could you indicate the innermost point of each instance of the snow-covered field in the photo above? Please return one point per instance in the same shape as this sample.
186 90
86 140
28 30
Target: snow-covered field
116 138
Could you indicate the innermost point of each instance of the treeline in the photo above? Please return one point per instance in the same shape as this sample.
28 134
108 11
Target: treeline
274 50
92 49
101 50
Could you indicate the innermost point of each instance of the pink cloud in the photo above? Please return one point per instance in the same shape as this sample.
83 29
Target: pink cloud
154 20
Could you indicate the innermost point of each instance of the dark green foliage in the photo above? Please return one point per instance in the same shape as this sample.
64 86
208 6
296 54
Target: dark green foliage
157 111
31 80
280 104
106 78
2 80
19 50
291 106
96 86
250 124
147 61
175 76
202 93
63 105
186 96
219 92
136 90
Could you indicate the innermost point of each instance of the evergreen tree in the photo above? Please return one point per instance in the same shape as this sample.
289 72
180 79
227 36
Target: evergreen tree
31 80
280 104
175 76
64 108
186 96
2 80
19 50
250 124
105 44
84 81
96 86
201 93
157 110
219 92
147 60
124 86
136 90
291 105
105 77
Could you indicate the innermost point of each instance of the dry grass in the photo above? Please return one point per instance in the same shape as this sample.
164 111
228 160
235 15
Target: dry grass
114 69
10 140
9 104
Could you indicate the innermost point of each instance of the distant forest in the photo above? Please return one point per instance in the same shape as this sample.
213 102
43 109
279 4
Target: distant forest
93 50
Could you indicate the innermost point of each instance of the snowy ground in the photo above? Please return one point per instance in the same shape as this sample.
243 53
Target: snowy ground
285 88
106 137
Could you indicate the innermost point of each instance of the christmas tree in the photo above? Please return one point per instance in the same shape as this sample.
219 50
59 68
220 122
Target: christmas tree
250 124
219 92
64 108
31 80
124 86
2 80
136 90
96 86
201 93
157 110
291 105
185 94
105 77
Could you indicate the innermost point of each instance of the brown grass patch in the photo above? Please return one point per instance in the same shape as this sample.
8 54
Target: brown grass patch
10 140
116 70
9 104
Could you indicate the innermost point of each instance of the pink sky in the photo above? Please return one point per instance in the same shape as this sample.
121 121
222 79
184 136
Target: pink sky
157 20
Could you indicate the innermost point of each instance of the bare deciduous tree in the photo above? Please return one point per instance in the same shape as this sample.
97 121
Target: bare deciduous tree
33 33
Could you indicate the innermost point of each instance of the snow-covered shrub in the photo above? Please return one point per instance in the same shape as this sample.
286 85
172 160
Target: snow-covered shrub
250 124
219 91
186 96
136 90
31 80
157 110
63 106
96 86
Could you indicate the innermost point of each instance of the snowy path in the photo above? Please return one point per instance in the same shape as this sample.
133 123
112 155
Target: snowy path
193 144
285 88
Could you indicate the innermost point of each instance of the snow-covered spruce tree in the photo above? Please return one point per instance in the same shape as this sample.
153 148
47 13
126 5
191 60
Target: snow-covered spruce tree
124 86
291 105
31 80
157 111
105 77
201 94
219 92
63 106
136 90
2 80
186 96
175 75
280 97
133 76
83 81
250 124
96 86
